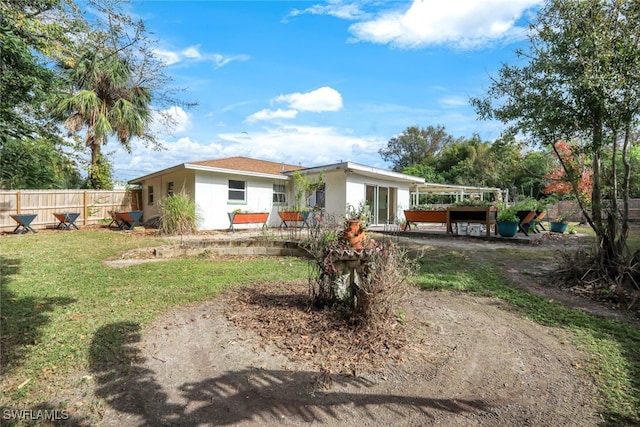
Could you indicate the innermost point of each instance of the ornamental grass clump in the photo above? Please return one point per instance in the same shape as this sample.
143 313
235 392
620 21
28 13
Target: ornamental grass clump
178 214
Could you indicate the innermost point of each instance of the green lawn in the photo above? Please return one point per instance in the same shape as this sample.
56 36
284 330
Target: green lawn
614 347
57 295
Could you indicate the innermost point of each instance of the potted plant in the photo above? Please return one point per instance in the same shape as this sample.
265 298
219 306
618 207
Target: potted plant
558 225
302 189
356 221
507 221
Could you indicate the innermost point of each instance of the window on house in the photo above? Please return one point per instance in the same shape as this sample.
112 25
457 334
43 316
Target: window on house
318 198
280 194
170 189
237 191
150 195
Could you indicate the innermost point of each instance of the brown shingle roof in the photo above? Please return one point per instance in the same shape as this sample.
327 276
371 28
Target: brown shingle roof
249 165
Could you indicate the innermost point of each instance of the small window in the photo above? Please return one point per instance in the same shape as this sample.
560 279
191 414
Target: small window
280 194
319 197
237 191
150 195
170 189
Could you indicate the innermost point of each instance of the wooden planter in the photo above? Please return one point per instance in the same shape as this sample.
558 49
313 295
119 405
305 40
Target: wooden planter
237 218
472 214
288 217
438 217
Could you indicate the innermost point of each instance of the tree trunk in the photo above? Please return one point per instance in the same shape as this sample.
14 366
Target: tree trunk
93 169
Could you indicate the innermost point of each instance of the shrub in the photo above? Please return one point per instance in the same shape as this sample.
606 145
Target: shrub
178 214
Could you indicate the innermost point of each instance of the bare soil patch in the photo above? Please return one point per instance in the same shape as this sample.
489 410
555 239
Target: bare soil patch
259 356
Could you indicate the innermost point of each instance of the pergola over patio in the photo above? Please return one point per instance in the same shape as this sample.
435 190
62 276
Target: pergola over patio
460 192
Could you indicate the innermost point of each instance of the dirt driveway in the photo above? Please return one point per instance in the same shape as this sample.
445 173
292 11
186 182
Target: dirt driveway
470 361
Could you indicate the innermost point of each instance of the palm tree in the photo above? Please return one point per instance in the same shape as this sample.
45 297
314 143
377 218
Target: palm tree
104 100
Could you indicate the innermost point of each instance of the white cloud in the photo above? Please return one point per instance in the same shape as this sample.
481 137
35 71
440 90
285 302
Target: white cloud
193 54
267 114
332 8
172 120
292 144
454 101
462 24
167 56
323 99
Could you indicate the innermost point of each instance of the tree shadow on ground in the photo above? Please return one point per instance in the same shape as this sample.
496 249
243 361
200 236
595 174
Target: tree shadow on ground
248 394
22 318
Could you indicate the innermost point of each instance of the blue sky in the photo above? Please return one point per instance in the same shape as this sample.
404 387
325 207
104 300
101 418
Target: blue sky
313 82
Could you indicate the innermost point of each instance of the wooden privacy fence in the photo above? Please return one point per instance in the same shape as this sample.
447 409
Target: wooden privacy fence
92 205
570 210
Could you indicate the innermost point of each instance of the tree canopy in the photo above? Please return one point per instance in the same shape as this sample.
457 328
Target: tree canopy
580 84
108 81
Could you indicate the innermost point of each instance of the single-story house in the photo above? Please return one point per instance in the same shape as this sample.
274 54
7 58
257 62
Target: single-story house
221 186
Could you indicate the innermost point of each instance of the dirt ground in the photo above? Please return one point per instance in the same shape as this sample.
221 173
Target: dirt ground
465 361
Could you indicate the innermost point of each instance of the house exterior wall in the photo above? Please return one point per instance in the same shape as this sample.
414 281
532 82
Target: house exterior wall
210 191
335 195
356 192
182 180
344 189
213 204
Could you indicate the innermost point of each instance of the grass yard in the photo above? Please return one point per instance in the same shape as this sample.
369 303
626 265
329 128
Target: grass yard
56 294
614 348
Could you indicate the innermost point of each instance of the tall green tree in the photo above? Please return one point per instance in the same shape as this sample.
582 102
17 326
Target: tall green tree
116 84
415 146
28 33
581 83
102 100
36 164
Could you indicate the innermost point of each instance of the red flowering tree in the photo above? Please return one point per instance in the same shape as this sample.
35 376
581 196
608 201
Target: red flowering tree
572 174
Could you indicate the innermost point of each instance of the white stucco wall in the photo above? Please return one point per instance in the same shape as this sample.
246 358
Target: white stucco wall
356 192
210 192
182 180
344 189
213 203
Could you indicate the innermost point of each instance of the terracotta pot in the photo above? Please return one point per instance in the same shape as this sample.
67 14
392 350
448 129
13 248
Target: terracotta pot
354 226
357 241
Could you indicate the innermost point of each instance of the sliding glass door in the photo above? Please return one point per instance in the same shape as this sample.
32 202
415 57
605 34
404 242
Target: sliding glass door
382 202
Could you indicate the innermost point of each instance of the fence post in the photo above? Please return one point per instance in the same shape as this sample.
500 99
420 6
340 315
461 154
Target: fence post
84 207
18 203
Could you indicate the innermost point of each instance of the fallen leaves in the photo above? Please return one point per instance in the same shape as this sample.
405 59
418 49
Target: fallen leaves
283 315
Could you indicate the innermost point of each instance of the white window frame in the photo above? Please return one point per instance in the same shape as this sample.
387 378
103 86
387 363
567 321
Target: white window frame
238 191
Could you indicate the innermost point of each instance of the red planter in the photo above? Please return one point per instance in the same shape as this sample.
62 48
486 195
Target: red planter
426 216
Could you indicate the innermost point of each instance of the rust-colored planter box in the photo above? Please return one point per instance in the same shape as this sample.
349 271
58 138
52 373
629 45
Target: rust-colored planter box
248 218
426 216
292 216
288 217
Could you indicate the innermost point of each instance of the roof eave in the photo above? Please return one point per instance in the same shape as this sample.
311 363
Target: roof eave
191 166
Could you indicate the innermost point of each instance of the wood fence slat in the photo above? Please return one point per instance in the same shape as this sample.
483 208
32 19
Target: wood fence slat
93 205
